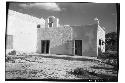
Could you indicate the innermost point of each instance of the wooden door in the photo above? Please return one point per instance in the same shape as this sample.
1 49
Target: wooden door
78 47
45 46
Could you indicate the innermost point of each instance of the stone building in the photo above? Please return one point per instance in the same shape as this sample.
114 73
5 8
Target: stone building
31 34
87 40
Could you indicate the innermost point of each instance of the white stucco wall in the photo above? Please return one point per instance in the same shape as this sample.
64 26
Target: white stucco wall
23 27
101 35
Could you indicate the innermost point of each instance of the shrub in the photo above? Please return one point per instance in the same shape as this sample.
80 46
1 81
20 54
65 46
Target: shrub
108 55
8 59
12 52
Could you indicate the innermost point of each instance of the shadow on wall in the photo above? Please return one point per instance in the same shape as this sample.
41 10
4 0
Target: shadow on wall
90 53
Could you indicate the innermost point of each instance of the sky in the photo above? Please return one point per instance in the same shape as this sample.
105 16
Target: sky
72 13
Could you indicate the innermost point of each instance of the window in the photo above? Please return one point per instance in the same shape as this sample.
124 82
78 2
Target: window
103 42
50 22
99 41
9 42
38 26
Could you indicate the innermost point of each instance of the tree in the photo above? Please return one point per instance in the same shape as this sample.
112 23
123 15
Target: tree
111 41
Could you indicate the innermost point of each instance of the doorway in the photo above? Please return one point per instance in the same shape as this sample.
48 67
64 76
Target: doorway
78 47
45 44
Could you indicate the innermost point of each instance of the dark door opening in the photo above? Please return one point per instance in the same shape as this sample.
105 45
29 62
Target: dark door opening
78 47
45 46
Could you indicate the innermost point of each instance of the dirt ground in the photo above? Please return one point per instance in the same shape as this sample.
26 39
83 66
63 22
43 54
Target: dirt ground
39 67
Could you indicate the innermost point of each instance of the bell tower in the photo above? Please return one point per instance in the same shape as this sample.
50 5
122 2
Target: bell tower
51 22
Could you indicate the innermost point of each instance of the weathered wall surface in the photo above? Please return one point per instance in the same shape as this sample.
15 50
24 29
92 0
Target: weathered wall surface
58 37
23 27
65 49
88 35
62 39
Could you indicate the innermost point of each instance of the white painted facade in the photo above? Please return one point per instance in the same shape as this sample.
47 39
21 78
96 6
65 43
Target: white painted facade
23 27
101 36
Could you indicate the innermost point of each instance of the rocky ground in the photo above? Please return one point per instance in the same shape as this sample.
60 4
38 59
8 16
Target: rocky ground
39 67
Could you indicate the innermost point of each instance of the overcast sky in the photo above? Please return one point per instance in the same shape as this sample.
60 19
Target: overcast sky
72 13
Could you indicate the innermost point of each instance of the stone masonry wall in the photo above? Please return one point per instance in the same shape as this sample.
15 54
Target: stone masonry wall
57 35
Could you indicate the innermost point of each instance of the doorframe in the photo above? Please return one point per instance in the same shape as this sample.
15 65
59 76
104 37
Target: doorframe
74 47
45 47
